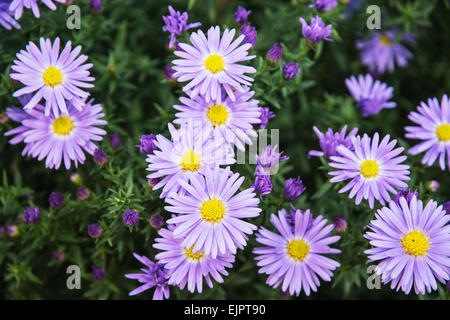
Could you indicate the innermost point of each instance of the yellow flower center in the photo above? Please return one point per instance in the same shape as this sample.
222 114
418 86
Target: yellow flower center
212 210
298 249
190 161
415 243
443 132
217 114
193 256
63 126
385 40
52 76
369 169
214 63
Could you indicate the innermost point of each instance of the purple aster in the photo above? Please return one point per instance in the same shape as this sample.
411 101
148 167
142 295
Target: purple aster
371 96
176 24
241 15
211 215
94 230
382 51
147 144
316 31
31 215
293 188
17 6
82 193
269 159
324 5
405 193
374 169
169 73
56 199
154 275
331 140
58 138
290 70
232 120
412 243
96 5
98 273
6 16
295 257
211 63
251 36
433 128
53 76
188 154
156 221
187 266
275 53
130 217
114 140
340 224
100 156
266 114
262 184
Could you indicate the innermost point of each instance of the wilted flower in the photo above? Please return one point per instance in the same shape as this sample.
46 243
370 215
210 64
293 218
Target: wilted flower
293 188
31 215
56 199
100 156
94 230
241 15
130 217
290 70
275 53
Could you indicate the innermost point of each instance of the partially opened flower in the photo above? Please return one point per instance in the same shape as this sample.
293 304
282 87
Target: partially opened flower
269 159
56 77
331 140
17 6
211 214
295 257
211 63
58 139
412 244
176 24
374 169
6 16
433 128
324 5
316 31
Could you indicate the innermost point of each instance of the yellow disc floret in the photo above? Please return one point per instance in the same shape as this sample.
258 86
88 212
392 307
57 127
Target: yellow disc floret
297 249
190 161
385 40
52 76
369 169
212 210
415 243
197 256
217 114
215 63
443 132
63 126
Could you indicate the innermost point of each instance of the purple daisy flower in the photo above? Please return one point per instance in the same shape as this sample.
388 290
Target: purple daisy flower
241 15
433 128
232 120
251 36
211 63
275 53
269 160
331 140
381 52
324 5
295 257
371 96
190 153
316 31
187 266
155 275
374 169
412 243
211 216
6 16
265 116
17 6
58 138
176 24
53 76
290 70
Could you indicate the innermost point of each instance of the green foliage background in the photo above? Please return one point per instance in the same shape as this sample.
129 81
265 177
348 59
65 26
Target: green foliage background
127 47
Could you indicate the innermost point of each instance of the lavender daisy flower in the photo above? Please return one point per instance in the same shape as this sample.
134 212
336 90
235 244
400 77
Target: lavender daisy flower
31 215
6 16
293 188
60 138
211 63
53 76
275 53
331 140
371 96
324 5
210 215
374 169
187 266
251 36
262 184
147 144
56 199
17 6
316 31
295 257
381 52
190 153
433 128
405 193
412 243
241 15
130 217
231 120
290 70
269 160
155 275
266 114
176 24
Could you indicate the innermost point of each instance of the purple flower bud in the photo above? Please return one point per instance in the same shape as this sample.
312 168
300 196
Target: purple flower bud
96 5
275 53
100 156
446 206
241 15
262 184
56 199
251 36
293 188
324 5
114 140
3 118
266 114
290 70
94 230
340 224
82 193
316 30
98 273
31 215
176 23
12 230
156 221
152 182
405 193
75 178
168 72
433 185
147 144
58 256
130 217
